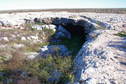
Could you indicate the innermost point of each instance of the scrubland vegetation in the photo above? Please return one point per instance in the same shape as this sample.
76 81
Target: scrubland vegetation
14 60
40 68
121 34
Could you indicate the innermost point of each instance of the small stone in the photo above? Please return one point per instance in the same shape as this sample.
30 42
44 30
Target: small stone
5 39
31 55
62 32
18 45
34 37
38 27
23 38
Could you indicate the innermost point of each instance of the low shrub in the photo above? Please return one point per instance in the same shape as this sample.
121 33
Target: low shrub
15 62
121 34
43 68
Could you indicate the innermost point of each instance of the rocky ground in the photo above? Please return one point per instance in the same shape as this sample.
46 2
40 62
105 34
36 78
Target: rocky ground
102 58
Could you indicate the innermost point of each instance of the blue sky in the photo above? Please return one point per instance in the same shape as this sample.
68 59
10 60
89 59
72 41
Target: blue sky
42 4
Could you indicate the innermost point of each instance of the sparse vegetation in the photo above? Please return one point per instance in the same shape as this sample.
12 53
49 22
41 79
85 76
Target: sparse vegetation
39 23
42 68
14 63
121 34
35 47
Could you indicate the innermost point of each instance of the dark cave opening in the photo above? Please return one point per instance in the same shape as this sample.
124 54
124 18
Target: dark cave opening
77 31
78 37
74 29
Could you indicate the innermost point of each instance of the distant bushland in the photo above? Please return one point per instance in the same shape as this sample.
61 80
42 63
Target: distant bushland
75 10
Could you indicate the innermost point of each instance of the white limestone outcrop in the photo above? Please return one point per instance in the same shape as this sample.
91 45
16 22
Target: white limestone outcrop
97 60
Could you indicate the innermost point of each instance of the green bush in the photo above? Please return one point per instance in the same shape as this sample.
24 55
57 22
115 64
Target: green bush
43 68
39 23
121 34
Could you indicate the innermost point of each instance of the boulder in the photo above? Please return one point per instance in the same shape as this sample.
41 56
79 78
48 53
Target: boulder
62 33
37 27
5 38
23 38
31 55
41 27
106 25
51 26
1 23
53 50
7 23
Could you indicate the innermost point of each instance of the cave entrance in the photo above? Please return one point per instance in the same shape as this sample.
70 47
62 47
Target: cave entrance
78 37
76 31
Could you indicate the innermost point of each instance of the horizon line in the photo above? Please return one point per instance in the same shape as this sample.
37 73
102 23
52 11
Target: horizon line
58 8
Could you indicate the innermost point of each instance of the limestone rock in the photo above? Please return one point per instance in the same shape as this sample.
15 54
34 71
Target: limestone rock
18 45
96 60
32 55
62 33
41 27
53 50
4 38
23 38
1 23
37 27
